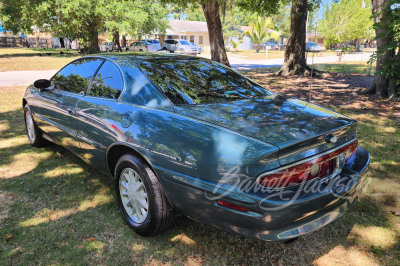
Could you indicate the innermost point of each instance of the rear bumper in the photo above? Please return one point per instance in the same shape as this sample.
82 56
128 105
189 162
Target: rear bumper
270 217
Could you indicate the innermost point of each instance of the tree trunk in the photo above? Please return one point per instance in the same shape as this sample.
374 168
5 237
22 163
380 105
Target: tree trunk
295 54
258 47
91 39
62 43
382 86
94 42
116 40
211 12
123 41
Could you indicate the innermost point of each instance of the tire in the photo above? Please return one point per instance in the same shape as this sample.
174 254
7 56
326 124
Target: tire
140 50
164 48
135 181
34 134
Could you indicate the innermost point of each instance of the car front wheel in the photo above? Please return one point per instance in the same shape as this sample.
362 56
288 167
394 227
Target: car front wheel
141 199
34 134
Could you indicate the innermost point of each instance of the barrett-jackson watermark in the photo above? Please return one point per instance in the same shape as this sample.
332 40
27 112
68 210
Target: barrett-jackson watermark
285 193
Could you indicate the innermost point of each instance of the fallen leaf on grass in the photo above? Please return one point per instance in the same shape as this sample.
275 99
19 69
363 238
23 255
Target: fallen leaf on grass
397 213
90 239
7 237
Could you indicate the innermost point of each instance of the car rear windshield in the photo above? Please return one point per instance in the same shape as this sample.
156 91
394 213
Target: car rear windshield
196 81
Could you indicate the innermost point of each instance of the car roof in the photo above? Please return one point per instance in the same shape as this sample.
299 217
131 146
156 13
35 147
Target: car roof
175 40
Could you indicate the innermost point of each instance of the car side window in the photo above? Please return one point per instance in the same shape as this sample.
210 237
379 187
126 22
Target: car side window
108 82
76 76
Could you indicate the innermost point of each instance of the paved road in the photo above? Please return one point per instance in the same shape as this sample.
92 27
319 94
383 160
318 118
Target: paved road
238 63
24 78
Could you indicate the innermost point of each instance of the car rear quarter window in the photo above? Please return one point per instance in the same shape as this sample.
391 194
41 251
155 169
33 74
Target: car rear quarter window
108 82
76 76
140 91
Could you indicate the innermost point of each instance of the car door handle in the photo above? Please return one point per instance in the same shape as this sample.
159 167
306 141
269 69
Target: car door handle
70 111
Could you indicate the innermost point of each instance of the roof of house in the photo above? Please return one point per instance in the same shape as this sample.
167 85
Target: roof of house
177 26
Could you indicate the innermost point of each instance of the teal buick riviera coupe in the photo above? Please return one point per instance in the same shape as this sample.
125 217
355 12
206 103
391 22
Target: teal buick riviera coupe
185 135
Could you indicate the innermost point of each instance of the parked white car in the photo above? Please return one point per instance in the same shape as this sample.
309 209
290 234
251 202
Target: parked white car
179 45
106 47
199 49
313 47
142 46
154 42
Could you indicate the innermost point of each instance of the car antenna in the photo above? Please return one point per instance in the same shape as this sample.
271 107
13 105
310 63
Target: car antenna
312 63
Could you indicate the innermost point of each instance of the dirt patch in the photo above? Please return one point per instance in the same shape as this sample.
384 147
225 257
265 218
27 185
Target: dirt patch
334 90
6 200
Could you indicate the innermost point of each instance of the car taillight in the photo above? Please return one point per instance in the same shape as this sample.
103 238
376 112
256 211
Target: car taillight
232 206
145 47
319 167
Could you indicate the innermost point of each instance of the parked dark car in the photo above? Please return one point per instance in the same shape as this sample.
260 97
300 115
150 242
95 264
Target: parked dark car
271 46
187 135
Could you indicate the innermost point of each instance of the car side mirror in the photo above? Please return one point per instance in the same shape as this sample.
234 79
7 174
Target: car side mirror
42 83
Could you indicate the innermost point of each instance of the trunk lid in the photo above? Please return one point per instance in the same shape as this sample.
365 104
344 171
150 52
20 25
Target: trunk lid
296 127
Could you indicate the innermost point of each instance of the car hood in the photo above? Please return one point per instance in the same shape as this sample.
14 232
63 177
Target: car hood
274 119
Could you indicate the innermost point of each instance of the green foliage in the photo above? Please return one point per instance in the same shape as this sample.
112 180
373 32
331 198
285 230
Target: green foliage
258 32
391 25
195 13
235 45
346 20
136 18
281 20
82 19
312 21
262 7
231 21
235 18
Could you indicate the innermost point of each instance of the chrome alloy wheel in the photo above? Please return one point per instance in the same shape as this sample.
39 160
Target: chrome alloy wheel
30 127
133 195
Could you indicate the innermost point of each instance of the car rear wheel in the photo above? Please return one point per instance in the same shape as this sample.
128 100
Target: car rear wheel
34 134
140 50
141 199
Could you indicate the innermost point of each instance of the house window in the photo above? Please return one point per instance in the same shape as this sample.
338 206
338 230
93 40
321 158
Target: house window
191 38
200 39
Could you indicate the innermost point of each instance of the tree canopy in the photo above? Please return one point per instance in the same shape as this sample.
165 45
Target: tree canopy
346 20
84 19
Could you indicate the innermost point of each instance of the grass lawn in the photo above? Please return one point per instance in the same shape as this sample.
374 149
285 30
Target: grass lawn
15 59
33 51
55 209
345 67
349 67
